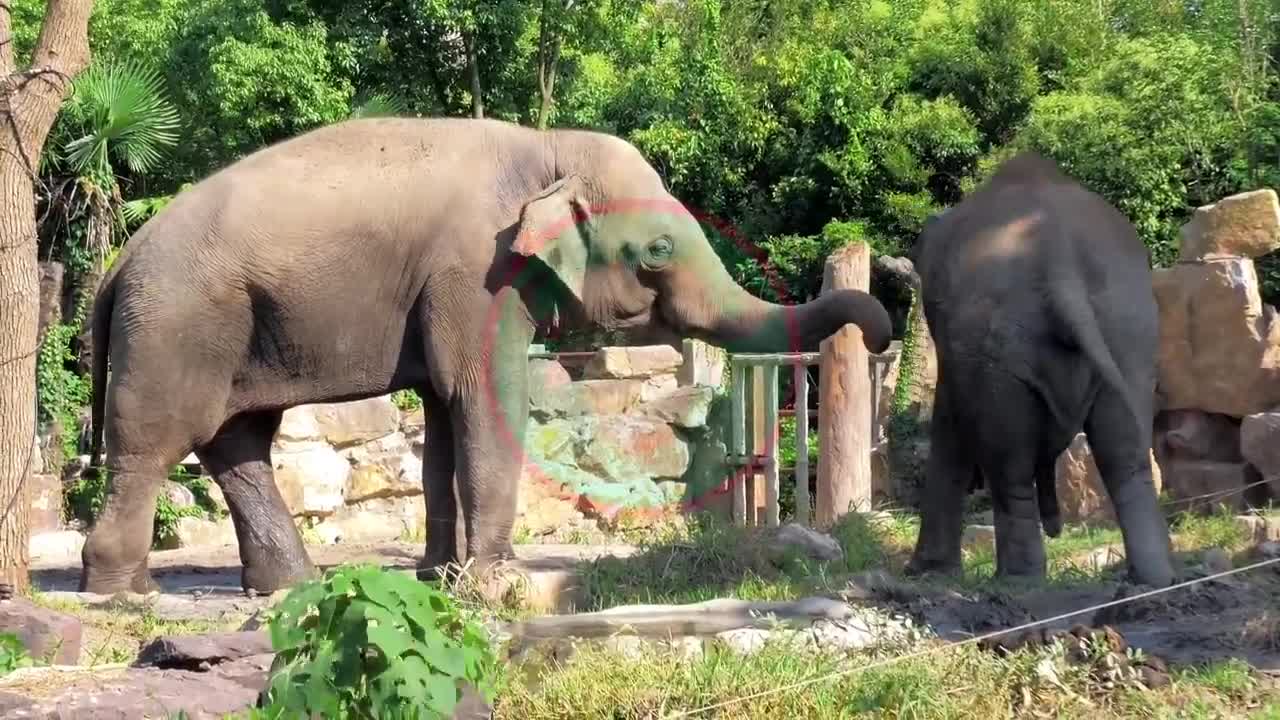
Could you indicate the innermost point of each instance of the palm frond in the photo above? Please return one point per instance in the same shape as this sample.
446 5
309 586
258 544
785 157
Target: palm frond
379 104
123 111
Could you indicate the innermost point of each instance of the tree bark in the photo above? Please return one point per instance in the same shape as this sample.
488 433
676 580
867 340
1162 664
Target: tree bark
29 103
473 71
844 407
549 34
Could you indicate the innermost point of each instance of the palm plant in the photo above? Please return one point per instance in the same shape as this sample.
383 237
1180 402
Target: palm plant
116 109
115 118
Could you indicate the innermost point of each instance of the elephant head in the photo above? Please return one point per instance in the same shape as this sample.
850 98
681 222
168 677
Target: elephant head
621 252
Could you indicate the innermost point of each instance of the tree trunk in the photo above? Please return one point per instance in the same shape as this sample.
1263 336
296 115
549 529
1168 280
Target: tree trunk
473 71
29 102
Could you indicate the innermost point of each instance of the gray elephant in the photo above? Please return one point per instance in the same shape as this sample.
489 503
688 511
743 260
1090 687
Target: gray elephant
1038 295
381 254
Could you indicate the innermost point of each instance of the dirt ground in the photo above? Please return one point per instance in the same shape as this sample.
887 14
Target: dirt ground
1232 617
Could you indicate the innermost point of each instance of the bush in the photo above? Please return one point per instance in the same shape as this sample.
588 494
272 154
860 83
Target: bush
366 642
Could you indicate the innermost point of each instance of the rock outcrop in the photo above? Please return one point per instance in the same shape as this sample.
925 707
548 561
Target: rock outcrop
1082 496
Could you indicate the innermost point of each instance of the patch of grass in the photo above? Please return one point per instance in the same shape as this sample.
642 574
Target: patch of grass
1194 531
960 682
1232 678
711 560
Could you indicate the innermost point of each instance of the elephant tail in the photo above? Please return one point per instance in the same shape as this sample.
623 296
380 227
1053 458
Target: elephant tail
103 306
1075 309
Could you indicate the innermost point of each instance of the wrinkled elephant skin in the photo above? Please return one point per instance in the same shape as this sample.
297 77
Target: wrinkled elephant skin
383 254
1038 295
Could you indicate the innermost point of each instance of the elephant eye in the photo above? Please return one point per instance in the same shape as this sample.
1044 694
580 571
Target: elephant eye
661 249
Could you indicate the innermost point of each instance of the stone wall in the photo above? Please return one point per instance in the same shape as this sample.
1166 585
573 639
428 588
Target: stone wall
628 434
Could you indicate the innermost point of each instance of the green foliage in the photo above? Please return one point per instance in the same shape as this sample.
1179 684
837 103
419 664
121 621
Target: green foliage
367 642
406 400
13 654
84 497
61 390
250 80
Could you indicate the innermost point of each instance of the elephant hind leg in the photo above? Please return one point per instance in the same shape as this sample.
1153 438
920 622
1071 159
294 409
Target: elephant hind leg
1124 464
443 528
271 549
1009 455
139 457
114 556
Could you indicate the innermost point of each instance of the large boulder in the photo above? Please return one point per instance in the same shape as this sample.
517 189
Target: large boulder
341 424
1260 446
1205 485
1082 496
1197 435
47 635
544 504
191 652
312 477
685 407
44 503
377 520
1219 345
623 446
1245 225
55 546
633 362
703 365
586 397
385 467
201 532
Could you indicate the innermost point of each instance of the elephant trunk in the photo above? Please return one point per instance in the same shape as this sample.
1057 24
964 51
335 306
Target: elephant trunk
724 314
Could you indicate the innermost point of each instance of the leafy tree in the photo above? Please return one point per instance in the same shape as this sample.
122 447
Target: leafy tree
250 80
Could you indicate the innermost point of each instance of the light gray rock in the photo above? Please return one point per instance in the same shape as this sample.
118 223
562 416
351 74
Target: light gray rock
809 543
312 477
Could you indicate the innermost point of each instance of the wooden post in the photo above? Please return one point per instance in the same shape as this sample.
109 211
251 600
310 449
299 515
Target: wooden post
738 439
802 443
756 488
771 510
844 407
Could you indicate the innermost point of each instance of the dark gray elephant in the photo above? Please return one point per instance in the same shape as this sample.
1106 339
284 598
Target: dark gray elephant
1038 295
381 254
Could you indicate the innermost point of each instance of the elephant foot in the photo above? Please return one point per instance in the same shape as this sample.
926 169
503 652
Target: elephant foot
264 578
1153 573
110 582
928 563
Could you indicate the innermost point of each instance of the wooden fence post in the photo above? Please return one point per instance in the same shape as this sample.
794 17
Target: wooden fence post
844 407
801 375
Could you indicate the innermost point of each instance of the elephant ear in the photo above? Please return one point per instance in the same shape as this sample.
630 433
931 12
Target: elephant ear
552 228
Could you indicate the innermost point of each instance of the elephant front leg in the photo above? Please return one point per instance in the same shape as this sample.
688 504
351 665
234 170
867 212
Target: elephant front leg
486 390
949 472
272 554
